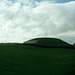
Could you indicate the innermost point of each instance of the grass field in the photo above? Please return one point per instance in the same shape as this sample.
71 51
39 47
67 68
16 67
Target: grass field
33 60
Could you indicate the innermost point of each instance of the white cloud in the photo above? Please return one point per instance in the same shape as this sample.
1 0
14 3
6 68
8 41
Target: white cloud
67 36
19 23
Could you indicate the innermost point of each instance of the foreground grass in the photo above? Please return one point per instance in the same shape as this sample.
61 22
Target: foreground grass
31 60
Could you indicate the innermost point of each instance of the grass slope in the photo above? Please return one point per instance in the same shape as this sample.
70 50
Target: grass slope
48 42
32 60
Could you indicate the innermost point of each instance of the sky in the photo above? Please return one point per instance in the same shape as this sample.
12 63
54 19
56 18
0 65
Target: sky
21 20
57 1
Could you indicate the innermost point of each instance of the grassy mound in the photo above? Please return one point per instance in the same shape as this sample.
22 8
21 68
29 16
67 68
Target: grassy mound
18 59
48 42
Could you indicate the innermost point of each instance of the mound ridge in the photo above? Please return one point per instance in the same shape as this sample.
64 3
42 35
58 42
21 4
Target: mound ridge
48 42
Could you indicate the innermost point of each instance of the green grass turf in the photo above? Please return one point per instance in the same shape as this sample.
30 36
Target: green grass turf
31 60
49 42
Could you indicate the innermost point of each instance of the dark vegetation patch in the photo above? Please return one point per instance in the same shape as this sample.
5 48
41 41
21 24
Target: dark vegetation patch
38 45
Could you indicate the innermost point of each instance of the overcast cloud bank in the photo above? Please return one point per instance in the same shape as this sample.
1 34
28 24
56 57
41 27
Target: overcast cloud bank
24 20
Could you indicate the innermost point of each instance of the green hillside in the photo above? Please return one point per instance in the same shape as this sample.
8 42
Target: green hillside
48 42
19 59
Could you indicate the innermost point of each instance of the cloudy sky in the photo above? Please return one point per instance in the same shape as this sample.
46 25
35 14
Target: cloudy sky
21 20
